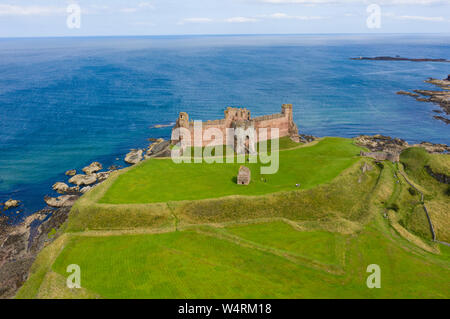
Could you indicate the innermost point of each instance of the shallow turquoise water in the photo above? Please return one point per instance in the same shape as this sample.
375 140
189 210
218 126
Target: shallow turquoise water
65 102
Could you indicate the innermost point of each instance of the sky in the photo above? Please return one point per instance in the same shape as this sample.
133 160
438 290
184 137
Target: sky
43 18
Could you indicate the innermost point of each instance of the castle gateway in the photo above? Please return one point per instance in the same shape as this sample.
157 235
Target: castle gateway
239 118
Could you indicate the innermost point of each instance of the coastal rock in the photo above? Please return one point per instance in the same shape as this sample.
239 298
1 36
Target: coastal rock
92 168
398 58
61 201
114 167
71 172
81 179
134 157
11 203
441 98
161 148
408 93
102 176
441 118
388 145
60 187
433 148
85 189
381 143
306 138
21 243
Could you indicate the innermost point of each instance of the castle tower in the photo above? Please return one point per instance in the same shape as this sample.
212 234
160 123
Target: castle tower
183 120
286 109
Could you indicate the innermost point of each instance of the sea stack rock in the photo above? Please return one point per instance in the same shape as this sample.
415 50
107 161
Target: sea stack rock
134 157
11 203
71 172
61 201
60 187
81 179
92 168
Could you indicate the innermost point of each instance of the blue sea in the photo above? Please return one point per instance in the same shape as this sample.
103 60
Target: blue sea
65 102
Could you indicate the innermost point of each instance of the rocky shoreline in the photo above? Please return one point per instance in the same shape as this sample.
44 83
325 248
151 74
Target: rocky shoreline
20 244
441 97
382 143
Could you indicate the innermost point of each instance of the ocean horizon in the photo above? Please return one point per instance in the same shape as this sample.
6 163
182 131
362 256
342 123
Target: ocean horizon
68 101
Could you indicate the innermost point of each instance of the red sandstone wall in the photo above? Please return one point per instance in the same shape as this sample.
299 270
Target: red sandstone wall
282 124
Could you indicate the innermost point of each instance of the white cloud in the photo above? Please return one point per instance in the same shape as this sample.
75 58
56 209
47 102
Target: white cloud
381 2
240 20
146 5
286 16
195 20
13 10
141 6
411 17
436 19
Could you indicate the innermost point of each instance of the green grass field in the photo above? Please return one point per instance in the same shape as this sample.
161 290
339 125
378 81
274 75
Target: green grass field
190 264
162 180
136 237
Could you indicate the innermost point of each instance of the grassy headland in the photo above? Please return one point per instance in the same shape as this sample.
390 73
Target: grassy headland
165 230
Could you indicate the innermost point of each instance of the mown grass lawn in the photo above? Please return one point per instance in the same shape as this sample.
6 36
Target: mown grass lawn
162 180
322 246
188 264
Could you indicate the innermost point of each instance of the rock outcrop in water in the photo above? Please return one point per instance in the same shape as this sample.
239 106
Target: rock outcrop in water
71 172
10 203
441 98
398 58
60 187
160 148
134 157
61 201
81 179
387 144
92 168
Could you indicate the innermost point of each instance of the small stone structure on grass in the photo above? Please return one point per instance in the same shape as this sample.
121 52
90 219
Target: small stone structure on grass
382 156
243 177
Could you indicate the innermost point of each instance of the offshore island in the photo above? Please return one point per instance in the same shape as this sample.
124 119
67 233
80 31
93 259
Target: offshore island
157 229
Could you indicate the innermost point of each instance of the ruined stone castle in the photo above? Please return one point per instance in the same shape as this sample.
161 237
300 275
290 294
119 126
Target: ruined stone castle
240 118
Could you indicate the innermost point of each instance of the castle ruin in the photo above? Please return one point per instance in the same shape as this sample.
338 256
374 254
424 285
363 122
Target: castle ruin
382 156
240 118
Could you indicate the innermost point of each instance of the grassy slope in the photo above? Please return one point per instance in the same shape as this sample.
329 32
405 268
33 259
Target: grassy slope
189 264
162 180
436 199
302 243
